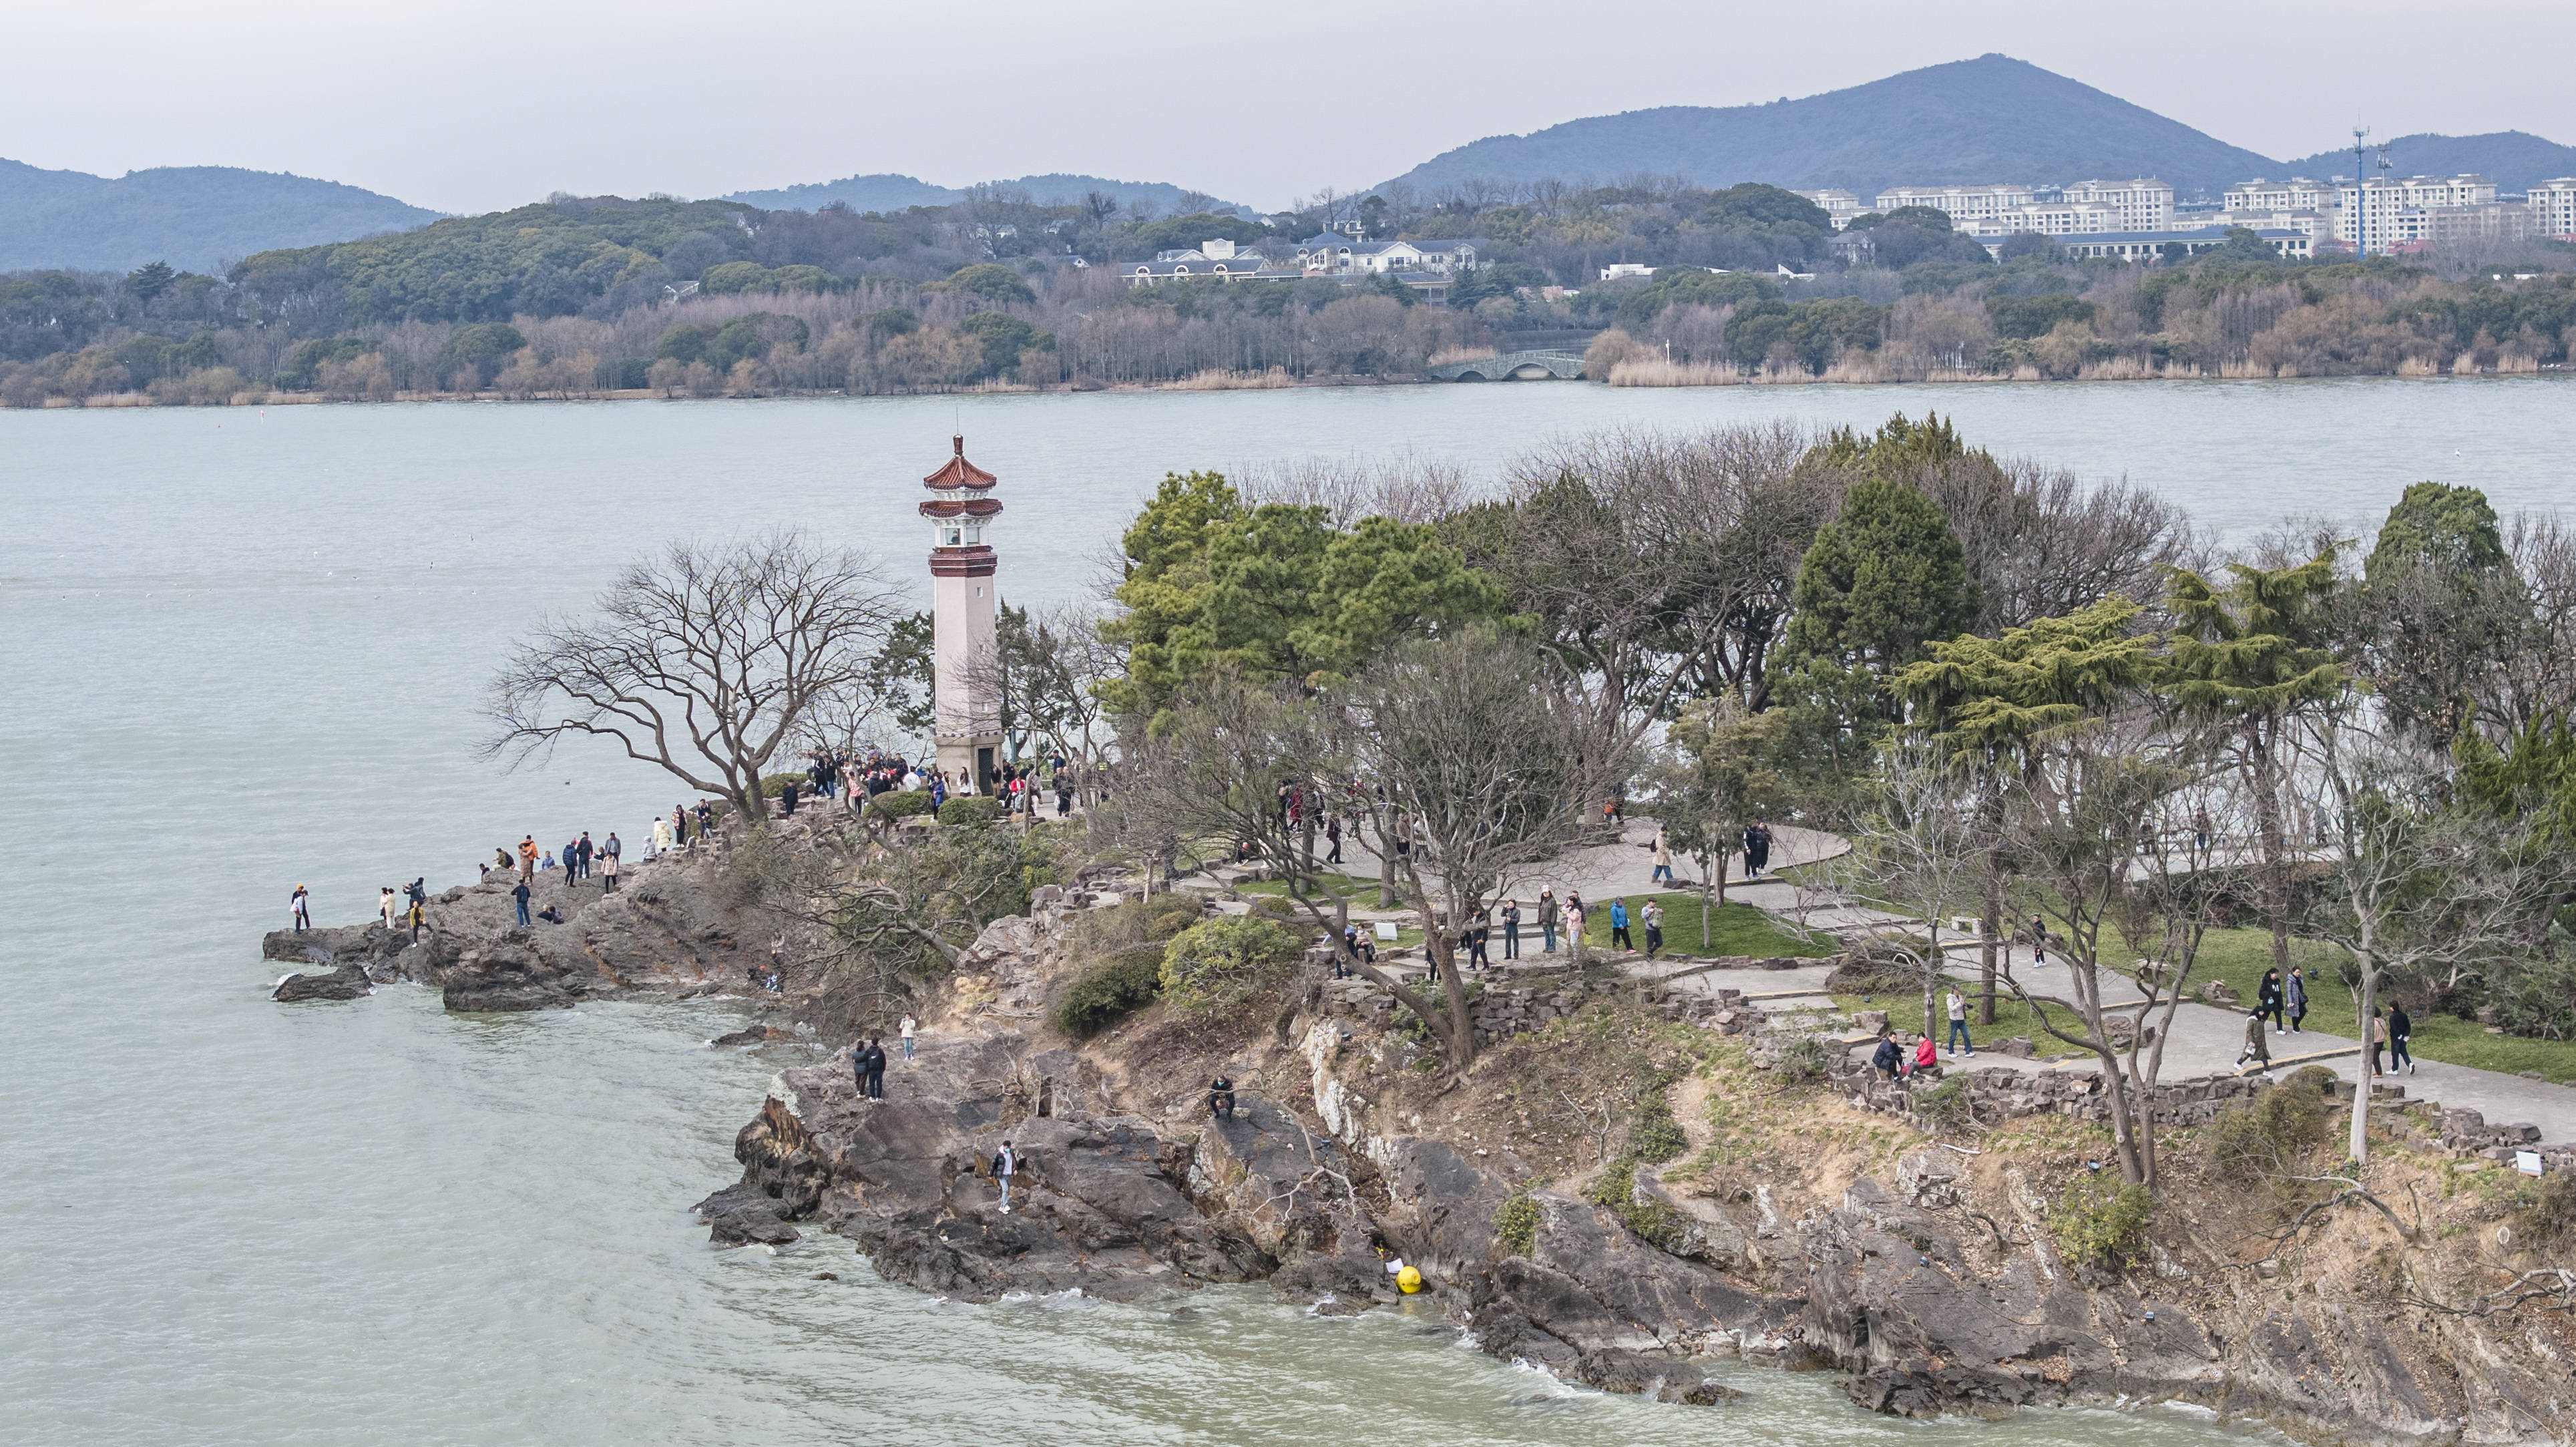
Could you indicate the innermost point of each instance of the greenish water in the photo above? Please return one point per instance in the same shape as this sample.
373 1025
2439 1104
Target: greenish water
244 652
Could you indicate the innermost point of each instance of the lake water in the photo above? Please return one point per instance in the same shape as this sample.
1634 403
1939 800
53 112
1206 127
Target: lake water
244 651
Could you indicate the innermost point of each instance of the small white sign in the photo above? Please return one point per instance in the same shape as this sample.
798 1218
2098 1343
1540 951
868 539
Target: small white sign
1385 932
2527 1162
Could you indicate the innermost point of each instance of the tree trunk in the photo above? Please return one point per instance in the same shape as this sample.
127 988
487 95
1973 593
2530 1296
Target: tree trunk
1932 963
2273 865
2360 1142
1991 922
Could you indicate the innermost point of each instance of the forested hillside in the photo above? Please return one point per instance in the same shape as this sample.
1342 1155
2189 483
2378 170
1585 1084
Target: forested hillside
1969 122
2514 160
889 192
193 217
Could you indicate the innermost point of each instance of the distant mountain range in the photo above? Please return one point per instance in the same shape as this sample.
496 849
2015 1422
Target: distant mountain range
1965 123
2514 160
889 192
1968 122
193 217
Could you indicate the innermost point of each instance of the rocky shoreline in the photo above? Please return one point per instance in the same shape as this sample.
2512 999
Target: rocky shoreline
1926 1273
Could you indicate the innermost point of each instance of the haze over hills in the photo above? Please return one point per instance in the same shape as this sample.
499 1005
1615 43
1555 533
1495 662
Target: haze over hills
890 192
2514 160
194 217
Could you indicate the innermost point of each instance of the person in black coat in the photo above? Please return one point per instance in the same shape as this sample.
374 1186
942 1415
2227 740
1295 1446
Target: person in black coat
1886 1058
2399 1027
876 1069
2267 997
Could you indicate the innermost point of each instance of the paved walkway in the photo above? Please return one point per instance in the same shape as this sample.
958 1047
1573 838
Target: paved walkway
2206 1039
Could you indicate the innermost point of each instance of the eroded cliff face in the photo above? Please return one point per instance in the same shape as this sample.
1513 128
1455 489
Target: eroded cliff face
1928 1274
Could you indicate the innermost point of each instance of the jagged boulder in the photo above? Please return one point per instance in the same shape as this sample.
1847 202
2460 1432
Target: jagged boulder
345 983
510 975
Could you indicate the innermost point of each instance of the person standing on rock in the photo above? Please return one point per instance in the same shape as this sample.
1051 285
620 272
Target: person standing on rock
527 857
589 854
2296 993
419 914
299 906
387 909
612 848
787 798
1006 1164
874 1087
608 873
1958 1007
859 1066
2267 997
1547 916
519 901
2257 1048
905 1028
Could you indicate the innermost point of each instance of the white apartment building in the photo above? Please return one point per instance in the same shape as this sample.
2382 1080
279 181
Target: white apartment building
1839 206
2553 207
2144 204
1963 203
2050 218
2387 211
2305 221
2295 194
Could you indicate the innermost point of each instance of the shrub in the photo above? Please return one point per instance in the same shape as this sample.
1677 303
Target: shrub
1109 992
2548 1218
1169 922
2103 1222
970 809
1654 1223
1516 1222
899 804
1224 961
1945 1106
1279 907
1803 1058
1654 1136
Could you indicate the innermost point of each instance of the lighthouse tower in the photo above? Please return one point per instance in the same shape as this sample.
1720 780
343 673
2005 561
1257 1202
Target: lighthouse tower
967 732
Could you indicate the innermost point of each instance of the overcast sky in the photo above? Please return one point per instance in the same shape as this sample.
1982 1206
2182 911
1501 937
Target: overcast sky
479 105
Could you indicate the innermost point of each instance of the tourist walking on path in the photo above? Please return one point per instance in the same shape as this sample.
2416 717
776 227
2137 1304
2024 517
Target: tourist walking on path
2257 1048
2267 998
1476 947
1654 922
1958 1008
2298 997
1547 918
1663 847
1619 925
299 907
2039 939
2378 1039
1006 1164
2399 1027
1511 929
527 857
519 901
1757 848
1333 837
905 1029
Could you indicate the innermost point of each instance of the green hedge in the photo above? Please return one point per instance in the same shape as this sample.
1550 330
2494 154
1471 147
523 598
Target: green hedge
971 809
900 804
1224 961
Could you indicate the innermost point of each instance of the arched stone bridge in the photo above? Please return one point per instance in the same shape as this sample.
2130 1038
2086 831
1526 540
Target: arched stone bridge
1511 367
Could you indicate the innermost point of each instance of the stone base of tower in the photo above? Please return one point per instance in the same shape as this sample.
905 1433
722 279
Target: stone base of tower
975 756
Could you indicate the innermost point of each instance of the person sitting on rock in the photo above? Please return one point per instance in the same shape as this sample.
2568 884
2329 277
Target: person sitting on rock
1927 1057
1886 1058
1221 1098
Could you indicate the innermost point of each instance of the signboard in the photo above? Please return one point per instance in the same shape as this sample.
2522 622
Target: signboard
2527 1162
1385 932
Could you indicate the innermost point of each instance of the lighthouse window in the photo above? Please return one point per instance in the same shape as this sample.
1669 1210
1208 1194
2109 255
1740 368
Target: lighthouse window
953 537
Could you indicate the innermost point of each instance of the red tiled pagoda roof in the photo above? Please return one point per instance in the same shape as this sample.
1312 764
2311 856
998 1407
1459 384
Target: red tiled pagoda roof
958 472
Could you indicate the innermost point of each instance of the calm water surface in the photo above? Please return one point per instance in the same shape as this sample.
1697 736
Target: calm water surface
243 651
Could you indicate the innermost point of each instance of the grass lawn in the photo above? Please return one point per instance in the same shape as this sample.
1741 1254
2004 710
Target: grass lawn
1734 929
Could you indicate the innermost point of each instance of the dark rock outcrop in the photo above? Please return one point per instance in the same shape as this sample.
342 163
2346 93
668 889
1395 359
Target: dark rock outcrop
345 983
511 975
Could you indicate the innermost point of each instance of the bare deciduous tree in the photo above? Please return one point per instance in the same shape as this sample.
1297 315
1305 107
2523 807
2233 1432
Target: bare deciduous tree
702 661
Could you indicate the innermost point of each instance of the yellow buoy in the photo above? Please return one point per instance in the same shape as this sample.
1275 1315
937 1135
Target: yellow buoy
1408 1281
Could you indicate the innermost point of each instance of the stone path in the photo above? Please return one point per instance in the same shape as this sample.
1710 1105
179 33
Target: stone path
2206 1039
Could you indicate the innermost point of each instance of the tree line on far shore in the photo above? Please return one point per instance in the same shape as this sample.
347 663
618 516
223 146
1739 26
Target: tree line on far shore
588 296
